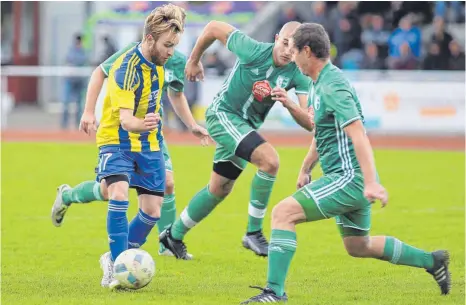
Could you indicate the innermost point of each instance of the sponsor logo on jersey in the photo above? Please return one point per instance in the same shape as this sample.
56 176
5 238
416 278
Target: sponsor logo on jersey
154 78
255 71
153 98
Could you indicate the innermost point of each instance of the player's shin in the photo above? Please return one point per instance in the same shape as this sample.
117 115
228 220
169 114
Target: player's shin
139 229
261 189
145 220
198 208
399 253
167 212
117 227
84 192
281 251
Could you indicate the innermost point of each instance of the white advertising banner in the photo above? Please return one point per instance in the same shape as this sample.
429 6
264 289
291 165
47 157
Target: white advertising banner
397 107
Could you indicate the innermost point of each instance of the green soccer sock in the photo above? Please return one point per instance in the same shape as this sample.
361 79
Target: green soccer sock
167 214
84 192
199 207
399 253
261 189
281 251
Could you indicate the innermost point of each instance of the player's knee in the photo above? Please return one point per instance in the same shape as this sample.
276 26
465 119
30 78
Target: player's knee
150 204
169 185
221 190
118 194
270 163
104 190
282 213
357 246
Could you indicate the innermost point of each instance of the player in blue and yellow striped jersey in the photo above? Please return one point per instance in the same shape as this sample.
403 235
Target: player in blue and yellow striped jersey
129 135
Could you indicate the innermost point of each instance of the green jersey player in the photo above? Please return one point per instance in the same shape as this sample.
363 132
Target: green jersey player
89 191
349 185
237 111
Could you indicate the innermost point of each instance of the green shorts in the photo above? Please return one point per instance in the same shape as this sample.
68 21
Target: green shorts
227 130
166 156
340 196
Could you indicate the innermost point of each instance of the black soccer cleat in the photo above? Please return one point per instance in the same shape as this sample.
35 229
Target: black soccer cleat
177 247
257 243
266 296
440 270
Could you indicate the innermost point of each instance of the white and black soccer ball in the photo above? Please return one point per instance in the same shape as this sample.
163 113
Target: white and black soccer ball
134 268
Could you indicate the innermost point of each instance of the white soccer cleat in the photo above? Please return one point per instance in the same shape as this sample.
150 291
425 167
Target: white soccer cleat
115 284
59 208
106 264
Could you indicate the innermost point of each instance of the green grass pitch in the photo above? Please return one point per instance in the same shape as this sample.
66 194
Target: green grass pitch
42 264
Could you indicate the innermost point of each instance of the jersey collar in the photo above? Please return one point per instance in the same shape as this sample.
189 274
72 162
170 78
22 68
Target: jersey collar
145 63
324 71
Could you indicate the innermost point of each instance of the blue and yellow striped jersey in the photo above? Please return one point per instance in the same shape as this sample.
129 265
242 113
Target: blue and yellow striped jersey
133 83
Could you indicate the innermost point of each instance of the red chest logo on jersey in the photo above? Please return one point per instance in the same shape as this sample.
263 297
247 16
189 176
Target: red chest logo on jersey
261 90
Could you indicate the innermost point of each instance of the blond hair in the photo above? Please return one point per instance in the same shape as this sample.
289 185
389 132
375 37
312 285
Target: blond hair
168 17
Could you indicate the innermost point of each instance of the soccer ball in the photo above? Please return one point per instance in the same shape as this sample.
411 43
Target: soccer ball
134 268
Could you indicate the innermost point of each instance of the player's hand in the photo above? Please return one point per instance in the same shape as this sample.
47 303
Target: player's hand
88 123
151 121
374 191
280 95
194 71
303 179
201 133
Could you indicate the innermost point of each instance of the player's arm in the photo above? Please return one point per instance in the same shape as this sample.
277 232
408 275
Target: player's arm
96 82
343 105
180 105
308 165
133 124
122 85
298 112
243 46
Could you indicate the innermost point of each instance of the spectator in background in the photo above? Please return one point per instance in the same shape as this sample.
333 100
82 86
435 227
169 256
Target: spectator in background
319 13
74 85
213 65
287 15
372 61
442 38
405 60
376 34
454 14
456 61
109 48
433 60
406 33
345 29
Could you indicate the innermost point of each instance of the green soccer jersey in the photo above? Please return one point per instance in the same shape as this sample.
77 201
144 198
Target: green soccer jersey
254 63
174 69
335 105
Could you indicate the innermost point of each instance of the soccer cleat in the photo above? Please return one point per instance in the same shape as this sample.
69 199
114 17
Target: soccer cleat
257 243
165 252
266 296
440 270
59 208
115 284
176 247
106 264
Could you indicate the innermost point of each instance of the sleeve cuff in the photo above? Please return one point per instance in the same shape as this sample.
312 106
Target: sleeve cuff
343 125
103 69
229 39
